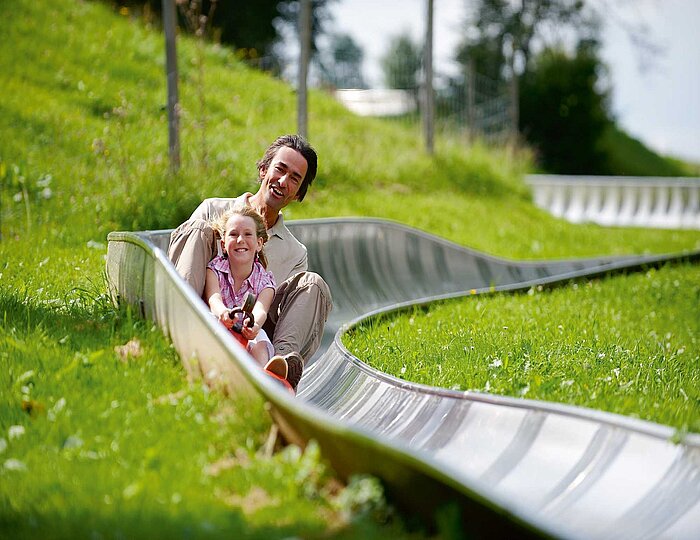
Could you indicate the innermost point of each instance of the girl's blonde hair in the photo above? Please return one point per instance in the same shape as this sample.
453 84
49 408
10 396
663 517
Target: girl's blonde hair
219 226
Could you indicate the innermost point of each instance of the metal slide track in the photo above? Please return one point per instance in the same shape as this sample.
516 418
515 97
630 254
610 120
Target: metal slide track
513 467
622 201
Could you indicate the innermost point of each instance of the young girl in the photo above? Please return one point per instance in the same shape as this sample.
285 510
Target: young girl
241 269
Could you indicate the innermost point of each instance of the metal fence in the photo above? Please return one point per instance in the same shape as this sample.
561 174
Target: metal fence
466 104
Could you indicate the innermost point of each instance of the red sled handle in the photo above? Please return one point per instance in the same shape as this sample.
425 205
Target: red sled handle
246 310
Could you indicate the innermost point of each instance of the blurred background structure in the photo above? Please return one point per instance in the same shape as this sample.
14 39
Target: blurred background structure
532 72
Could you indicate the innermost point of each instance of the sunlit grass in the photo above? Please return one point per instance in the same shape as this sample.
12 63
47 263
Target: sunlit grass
99 440
628 344
95 445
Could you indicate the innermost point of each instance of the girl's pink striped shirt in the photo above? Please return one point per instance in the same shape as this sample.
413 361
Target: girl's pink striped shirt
258 280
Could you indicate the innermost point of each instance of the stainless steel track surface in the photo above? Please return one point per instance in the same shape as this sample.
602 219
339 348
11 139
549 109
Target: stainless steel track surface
512 466
623 201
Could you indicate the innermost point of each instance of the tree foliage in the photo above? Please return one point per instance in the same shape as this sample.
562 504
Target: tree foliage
501 35
402 62
320 17
244 24
341 66
559 104
564 110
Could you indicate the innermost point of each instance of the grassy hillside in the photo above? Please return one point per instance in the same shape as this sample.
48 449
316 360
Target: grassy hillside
98 442
626 156
627 344
83 112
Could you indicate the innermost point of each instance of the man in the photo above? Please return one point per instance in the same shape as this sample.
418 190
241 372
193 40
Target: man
302 300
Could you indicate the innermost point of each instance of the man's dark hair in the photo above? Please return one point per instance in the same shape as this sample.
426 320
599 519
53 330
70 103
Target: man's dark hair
298 143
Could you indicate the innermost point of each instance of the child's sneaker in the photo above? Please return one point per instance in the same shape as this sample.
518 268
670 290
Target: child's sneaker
277 366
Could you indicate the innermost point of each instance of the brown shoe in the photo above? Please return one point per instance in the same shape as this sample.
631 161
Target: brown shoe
295 367
278 366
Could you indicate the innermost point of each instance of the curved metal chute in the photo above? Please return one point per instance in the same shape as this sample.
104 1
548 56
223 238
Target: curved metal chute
628 201
511 466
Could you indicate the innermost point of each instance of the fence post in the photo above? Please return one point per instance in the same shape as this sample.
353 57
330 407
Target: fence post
304 53
471 99
514 100
429 112
170 25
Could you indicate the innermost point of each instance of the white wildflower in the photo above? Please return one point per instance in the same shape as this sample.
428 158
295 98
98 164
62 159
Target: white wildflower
57 408
131 490
15 432
14 465
73 441
93 244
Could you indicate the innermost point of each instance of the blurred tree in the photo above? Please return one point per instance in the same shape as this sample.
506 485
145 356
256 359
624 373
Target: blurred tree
320 17
341 65
402 62
564 110
245 25
501 35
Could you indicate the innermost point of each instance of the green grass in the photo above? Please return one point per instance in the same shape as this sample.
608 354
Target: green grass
628 344
629 157
91 445
94 442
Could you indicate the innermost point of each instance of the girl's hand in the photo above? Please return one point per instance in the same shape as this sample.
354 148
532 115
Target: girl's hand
226 319
250 332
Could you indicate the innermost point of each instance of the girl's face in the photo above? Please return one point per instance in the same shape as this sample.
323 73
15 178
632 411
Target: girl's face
240 241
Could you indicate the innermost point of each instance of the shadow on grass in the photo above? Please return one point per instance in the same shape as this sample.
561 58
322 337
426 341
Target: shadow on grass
93 503
82 313
148 524
153 520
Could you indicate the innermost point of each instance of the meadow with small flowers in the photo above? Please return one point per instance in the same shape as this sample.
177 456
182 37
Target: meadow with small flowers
102 434
627 344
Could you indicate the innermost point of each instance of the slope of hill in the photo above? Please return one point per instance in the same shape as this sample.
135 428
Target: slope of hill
627 156
98 441
83 114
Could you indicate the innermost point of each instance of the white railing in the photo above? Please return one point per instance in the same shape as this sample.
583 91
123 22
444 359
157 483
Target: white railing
377 102
624 201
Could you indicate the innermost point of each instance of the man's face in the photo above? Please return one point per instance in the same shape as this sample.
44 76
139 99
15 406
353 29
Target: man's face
281 181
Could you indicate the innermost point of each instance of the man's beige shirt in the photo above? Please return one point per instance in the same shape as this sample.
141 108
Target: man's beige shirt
286 256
